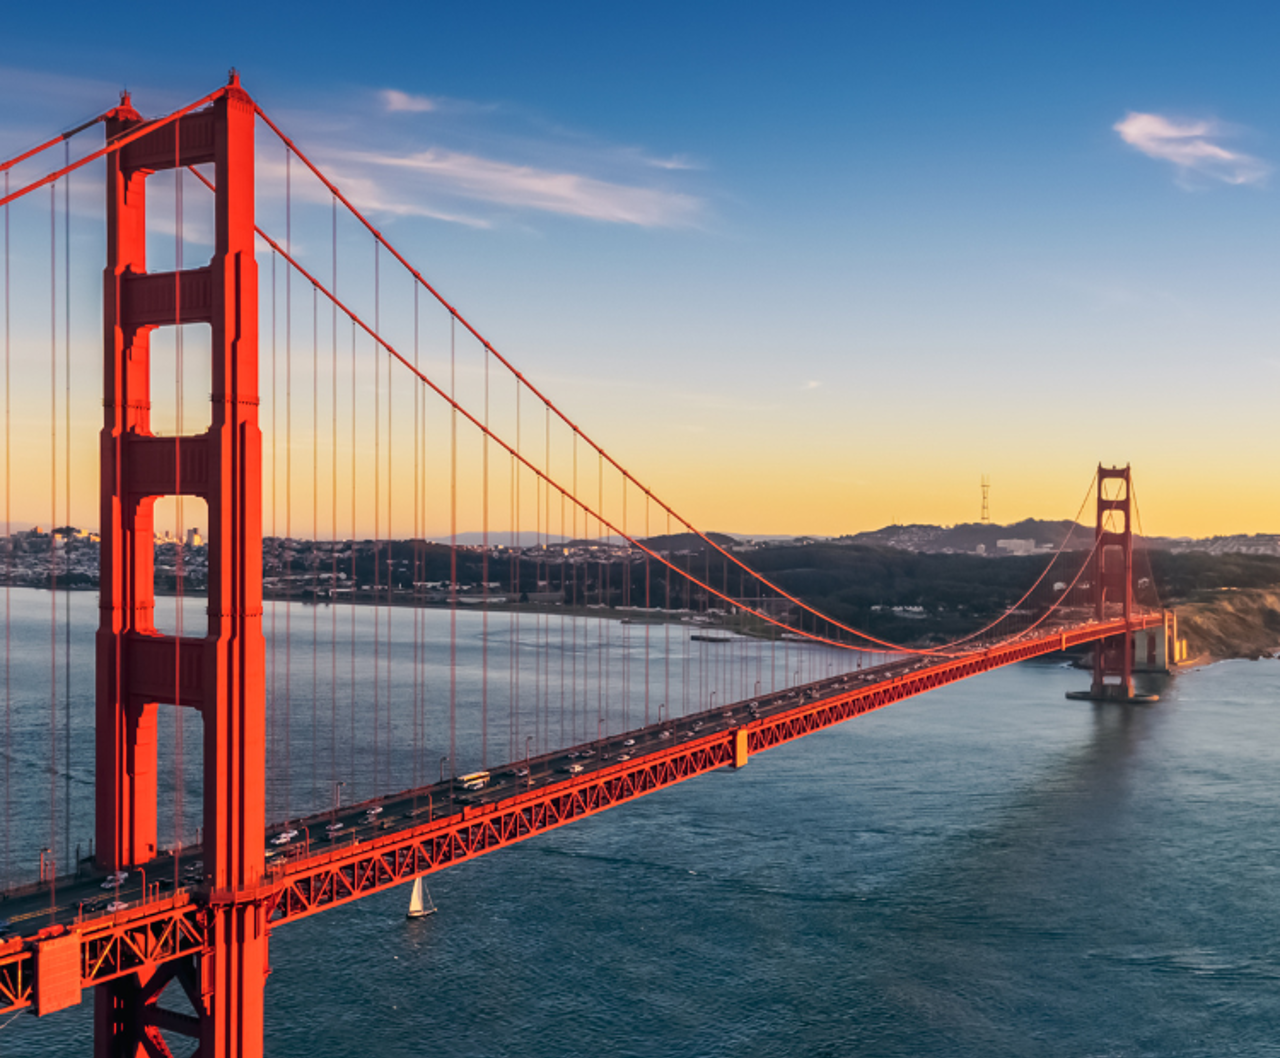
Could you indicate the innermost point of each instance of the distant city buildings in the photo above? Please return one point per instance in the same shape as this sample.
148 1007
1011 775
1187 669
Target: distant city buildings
1020 547
579 572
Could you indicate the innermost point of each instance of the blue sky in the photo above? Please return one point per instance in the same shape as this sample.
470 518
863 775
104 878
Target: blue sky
807 267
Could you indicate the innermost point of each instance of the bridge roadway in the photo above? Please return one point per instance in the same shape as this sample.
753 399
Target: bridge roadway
420 831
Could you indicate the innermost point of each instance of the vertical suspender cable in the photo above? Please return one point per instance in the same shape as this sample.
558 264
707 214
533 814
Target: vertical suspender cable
391 543
178 569
66 482
563 602
648 605
453 551
423 493
355 580
600 595
287 551
546 566
425 565
53 517
273 745
512 617
417 552
623 630
377 515
315 554
333 517
666 632
484 575
515 589
538 705
8 578
626 629
573 707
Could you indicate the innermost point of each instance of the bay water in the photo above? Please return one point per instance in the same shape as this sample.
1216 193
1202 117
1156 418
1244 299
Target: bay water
985 870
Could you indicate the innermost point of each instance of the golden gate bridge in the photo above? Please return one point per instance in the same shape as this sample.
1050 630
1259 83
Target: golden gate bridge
475 693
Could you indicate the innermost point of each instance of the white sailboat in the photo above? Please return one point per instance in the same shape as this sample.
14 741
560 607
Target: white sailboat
420 903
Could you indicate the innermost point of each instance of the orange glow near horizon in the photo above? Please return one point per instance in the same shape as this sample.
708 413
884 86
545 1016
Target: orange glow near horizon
782 495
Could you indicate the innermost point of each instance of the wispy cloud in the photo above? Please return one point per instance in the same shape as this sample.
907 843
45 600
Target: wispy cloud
531 187
1191 147
674 163
397 102
365 192
487 164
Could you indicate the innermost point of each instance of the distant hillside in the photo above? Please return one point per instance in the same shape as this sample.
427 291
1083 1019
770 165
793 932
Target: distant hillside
968 538
1232 601
1231 623
675 542
978 538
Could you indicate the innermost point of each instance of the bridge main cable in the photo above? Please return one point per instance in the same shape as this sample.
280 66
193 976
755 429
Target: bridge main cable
553 407
122 141
586 508
61 138
563 491
110 148
940 651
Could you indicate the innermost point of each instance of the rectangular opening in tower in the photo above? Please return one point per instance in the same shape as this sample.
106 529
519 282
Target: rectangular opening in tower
181 368
179 785
181 565
180 220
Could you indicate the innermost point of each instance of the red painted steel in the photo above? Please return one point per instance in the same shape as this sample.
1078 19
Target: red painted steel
111 947
125 728
1112 578
221 674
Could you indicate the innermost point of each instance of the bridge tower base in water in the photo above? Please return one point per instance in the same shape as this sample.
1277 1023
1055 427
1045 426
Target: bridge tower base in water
1113 658
218 675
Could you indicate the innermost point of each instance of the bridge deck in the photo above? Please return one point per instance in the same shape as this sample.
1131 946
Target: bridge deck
420 831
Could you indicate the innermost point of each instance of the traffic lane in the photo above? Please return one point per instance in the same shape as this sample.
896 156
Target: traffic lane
88 897
444 799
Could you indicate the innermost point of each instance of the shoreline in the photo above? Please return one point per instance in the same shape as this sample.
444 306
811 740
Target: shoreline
1222 624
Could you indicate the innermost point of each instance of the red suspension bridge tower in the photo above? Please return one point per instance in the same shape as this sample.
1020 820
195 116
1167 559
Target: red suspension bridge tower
220 675
1113 583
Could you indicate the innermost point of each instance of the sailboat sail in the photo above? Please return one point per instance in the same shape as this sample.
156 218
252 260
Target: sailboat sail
415 900
420 901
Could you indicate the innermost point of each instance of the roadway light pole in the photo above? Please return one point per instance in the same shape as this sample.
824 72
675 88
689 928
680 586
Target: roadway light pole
53 880
442 760
528 769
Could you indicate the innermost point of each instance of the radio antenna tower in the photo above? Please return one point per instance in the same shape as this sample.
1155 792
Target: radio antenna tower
986 507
